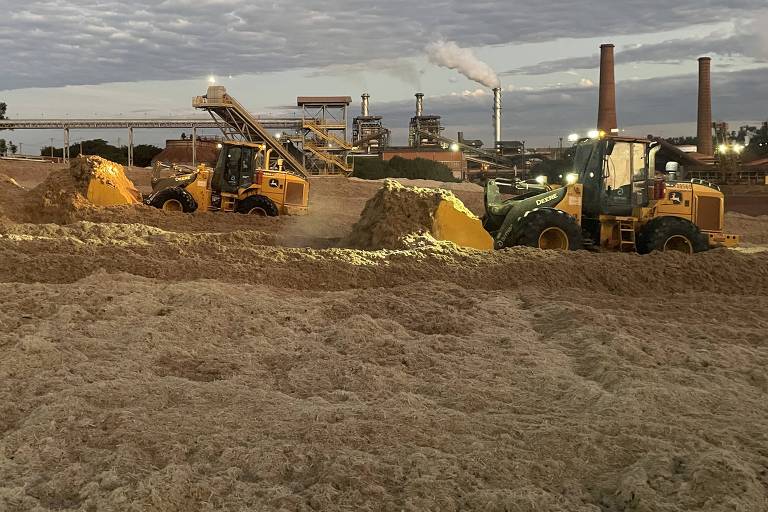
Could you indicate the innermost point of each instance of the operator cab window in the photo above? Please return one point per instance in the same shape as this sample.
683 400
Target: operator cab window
618 179
626 175
246 167
232 173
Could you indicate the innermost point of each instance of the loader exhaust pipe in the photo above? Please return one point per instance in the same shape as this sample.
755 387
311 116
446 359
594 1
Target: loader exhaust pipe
704 131
606 110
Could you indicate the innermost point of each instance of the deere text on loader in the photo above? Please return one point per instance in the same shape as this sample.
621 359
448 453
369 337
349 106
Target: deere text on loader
247 179
613 200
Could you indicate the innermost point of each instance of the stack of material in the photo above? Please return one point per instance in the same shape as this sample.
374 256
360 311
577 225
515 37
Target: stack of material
397 213
89 181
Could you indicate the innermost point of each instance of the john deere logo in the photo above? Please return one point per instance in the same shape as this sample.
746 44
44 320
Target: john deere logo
274 183
547 199
676 197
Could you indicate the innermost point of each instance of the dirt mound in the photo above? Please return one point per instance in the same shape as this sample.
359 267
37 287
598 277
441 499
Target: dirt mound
396 213
753 230
88 182
11 195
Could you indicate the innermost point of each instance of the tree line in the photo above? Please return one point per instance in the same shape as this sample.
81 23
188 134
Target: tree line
142 154
6 147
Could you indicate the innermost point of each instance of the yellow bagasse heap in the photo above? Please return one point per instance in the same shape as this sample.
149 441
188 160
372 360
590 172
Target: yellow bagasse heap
396 213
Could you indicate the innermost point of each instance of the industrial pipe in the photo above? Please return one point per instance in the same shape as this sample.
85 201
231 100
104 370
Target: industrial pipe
419 104
364 105
497 115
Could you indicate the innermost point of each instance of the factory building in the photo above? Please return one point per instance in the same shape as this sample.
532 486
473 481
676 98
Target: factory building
368 132
179 151
424 130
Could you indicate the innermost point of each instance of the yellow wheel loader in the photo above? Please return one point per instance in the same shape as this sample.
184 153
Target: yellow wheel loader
613 200
246 179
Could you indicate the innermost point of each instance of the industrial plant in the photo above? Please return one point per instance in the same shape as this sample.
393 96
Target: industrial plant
320 136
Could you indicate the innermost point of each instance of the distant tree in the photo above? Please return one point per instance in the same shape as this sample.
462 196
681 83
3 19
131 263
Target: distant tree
144 153
398 167
3 147
13 148
3 108
183 136
683 141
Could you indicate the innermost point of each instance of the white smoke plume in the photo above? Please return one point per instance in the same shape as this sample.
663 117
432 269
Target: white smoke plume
449 55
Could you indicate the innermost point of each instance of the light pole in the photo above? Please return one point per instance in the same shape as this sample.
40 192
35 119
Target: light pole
51 147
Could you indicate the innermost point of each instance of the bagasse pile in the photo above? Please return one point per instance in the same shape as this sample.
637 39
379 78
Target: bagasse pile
160 361
89 181
398 215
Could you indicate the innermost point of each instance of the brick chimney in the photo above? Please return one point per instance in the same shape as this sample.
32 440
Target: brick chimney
704 131
606 110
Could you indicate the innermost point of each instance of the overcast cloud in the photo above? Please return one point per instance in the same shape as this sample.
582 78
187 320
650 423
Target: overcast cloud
749 39
54 43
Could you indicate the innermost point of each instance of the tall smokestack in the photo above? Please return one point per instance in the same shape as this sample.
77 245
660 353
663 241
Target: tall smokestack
606 111
419 104
704 131
364 104
497 115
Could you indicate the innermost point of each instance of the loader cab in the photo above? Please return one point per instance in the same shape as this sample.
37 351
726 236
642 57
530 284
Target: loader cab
617 174
235 168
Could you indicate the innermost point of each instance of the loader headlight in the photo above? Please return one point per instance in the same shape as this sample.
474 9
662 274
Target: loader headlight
541 180
571 178
593 134
573 137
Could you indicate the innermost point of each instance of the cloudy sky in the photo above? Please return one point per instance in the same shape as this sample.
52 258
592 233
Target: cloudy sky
91 58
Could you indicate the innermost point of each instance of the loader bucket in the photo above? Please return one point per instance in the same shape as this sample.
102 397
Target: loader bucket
105 182
456 226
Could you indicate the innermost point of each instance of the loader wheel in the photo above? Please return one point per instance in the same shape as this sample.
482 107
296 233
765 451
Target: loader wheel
671 234
258 205
174 199
548 228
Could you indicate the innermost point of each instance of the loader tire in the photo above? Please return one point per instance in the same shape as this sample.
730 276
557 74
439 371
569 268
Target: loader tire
671 234
174 199
548 228
258 205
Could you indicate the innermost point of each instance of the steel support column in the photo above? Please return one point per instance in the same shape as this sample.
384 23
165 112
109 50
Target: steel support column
130 147
65 153
194 146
